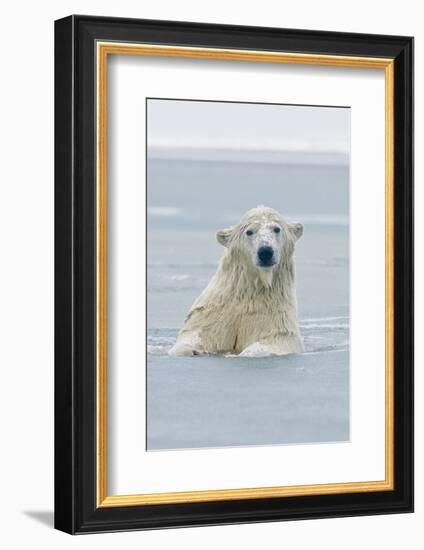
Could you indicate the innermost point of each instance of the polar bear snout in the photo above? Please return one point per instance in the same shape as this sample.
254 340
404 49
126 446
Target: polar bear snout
266 256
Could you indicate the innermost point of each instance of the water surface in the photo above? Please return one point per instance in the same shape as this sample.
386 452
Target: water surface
214 401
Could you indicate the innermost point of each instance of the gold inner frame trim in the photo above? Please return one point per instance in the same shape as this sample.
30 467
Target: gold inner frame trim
103 50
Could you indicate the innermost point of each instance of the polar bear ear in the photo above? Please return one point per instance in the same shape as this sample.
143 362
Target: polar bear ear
223 236
296 229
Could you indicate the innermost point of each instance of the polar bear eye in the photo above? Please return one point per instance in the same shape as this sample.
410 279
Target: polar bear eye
277 230
249 232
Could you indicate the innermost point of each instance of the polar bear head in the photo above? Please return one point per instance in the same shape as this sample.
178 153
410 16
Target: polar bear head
262 239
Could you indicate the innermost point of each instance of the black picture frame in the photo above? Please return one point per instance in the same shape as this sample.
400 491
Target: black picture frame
76 509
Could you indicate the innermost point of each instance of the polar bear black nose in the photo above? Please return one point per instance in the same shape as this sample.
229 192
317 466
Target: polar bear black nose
265 255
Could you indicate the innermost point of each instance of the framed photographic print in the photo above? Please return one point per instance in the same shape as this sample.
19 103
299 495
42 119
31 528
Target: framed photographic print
234 274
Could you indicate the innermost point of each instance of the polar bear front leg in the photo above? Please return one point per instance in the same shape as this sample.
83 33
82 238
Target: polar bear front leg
287 345
188 344
257 350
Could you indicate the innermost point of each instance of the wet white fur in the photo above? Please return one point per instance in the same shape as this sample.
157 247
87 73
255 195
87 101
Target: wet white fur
246 309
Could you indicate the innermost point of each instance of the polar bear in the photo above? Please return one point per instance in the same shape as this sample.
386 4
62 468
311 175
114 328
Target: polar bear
249 307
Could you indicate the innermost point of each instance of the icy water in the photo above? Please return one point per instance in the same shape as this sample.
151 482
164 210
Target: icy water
195 402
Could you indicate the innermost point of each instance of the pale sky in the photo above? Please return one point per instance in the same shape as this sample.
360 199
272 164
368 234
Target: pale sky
248 126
